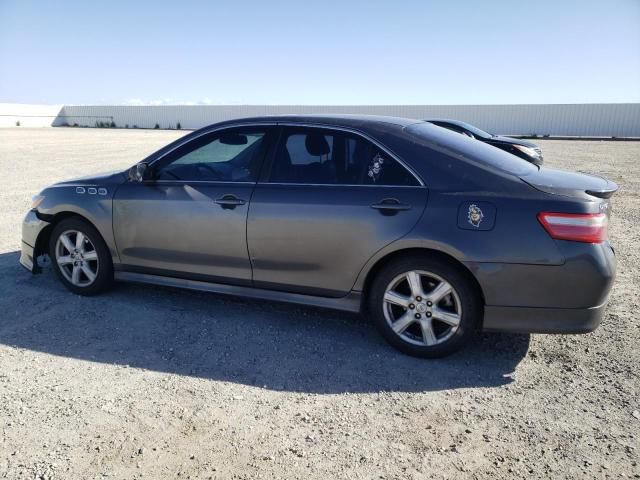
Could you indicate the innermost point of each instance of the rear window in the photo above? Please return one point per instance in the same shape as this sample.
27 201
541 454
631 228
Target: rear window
473 149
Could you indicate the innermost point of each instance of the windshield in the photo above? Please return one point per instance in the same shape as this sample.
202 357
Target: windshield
479 152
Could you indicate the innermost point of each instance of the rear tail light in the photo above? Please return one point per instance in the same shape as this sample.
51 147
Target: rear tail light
577 227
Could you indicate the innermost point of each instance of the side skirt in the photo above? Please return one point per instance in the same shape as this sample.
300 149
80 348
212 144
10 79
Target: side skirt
350 303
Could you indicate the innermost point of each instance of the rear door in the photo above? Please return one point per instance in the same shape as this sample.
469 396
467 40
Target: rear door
329 200
190 220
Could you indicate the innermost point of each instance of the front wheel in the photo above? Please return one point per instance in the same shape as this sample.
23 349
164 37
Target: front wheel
80 257
424 306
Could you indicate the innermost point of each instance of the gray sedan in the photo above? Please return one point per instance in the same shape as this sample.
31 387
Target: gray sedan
430 234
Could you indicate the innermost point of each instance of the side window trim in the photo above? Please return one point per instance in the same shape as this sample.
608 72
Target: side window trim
270 159
270 156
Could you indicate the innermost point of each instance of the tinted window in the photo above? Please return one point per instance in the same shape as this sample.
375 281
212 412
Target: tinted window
480 152
474 130
449 126
230 156
315 156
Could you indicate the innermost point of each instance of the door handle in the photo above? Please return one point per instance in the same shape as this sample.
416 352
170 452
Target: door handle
229 201
390 206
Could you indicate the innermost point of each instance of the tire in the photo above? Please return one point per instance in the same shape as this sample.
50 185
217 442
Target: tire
433 324
90 255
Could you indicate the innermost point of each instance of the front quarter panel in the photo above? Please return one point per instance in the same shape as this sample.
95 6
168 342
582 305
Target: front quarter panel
90 199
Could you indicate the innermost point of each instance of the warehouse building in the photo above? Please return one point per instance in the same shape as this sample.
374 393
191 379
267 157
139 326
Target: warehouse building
571 120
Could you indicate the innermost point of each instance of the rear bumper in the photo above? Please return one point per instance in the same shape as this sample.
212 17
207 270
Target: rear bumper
542 320
567 298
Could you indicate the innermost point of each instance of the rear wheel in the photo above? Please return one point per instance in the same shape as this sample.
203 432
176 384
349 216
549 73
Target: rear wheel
424 306
80 257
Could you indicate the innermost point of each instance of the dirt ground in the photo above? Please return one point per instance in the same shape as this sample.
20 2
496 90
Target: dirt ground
144 382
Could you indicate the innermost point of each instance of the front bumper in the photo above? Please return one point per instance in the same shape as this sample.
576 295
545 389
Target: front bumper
26 257
32 227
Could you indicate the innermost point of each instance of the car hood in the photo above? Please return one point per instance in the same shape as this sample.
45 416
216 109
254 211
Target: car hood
511 141
106 178
571 184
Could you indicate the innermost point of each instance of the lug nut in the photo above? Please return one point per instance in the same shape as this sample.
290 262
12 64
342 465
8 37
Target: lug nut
419 299
412 306
418 316
428 314
429 304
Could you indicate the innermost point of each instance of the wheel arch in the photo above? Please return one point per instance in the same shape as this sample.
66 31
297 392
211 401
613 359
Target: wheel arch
42 241
409 251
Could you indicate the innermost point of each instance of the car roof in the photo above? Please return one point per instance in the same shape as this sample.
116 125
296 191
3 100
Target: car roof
341 120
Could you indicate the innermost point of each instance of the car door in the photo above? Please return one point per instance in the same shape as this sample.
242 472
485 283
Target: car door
327 202
189 221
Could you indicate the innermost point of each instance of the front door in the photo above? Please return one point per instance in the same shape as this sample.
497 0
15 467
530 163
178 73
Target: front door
190 220
330 201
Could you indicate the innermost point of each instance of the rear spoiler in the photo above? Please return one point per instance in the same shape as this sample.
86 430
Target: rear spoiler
604 193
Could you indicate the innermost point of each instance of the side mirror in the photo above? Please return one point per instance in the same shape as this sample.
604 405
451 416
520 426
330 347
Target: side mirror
140 172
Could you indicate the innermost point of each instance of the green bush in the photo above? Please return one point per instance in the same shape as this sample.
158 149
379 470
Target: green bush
18 123
112 124
178 126
157 126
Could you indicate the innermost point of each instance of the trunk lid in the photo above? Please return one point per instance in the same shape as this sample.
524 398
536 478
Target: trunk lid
574 185
570 184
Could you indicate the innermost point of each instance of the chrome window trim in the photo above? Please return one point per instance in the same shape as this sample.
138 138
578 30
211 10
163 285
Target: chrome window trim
222 183
339 185
211 182
304 125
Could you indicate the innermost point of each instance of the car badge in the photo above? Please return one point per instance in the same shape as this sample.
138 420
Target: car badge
475 215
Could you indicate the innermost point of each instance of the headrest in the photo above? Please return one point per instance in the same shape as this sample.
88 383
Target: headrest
317 145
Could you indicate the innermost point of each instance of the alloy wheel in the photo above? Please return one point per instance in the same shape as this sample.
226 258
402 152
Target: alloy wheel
422 308
77 258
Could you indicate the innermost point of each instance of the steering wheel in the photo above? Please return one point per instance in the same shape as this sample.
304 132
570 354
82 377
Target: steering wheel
169 172
216 174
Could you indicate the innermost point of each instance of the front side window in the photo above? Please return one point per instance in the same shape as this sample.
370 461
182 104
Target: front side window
317 156
229 156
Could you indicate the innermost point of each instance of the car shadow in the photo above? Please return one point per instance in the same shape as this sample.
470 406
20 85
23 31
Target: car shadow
267 344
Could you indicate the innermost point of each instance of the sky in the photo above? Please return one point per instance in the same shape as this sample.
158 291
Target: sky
319 52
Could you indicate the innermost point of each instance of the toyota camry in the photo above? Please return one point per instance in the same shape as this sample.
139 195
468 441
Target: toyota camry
430 234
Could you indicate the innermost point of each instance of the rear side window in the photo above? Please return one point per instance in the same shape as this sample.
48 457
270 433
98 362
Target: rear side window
480 152
317 156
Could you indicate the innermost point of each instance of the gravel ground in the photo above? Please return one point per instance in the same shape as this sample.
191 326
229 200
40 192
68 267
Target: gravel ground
145 382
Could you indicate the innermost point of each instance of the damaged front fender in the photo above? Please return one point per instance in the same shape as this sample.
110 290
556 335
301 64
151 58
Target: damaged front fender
32 227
